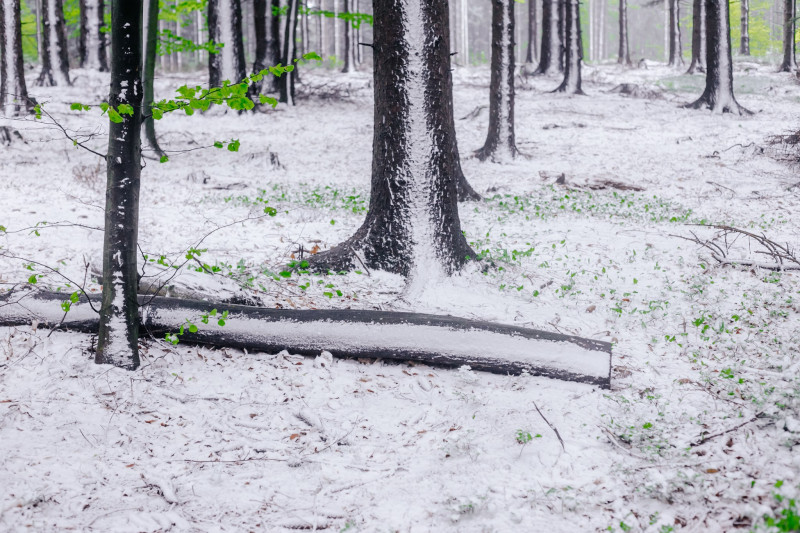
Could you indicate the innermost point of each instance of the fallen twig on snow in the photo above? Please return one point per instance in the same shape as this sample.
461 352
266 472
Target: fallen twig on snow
707 438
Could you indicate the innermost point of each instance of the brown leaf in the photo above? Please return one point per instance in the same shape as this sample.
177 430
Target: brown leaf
149 421
711 471
315 249
253 415
130 465
591 308
294 436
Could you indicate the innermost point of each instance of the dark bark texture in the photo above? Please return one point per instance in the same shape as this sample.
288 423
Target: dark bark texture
149 74
789 63
574 55
55 63
744 42
624 55
718 95
95 40
287 81
413 214
699 37
13 91
228 63
118 336
532 52
500 143
550 57
268 48
675 51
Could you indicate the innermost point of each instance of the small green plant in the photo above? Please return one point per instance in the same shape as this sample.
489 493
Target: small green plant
524 437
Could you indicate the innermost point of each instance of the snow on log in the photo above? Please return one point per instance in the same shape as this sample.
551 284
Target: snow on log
438 340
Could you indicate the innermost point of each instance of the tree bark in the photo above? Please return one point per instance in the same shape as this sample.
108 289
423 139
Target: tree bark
789 63
532 52
349 59
572 70
118 336
718 95
500 144
744 42
149 74
55 64
624 54
95 51
675 52
412 227
14 99
699 37
268 48
287 81
550 59
225 27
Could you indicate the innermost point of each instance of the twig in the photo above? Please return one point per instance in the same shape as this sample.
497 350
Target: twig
551 425
715 435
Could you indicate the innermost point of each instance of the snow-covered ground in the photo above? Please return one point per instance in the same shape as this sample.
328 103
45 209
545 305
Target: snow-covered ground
219 440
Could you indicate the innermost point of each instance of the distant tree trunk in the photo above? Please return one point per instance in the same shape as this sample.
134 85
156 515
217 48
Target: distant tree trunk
149 74
225 27
744 42
55 64
789 63
13 92
412 226
699 37
82 22
95 56
117 340
287 81
349 59
268 48
572 69
562 33
718 95
500 144
624 55
550 58
675 52
532 53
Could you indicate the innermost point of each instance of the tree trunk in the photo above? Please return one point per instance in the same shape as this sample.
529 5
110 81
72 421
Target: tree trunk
118 337
744 42
550 59
225 27
532 53
572 70
562 33
624 55
718 95
268 49
500 144
699 37
55 64
412 227
789 63
675 52
82 22
14 99
95 56
349 59
287 81
149 74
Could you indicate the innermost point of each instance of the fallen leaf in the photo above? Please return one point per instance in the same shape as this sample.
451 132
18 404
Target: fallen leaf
711 471
591 308
130 465
149 421
294 436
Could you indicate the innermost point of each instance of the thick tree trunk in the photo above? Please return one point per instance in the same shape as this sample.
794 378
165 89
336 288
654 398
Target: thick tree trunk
675 52
438 340
95 56
744 42
287 81
225 27
572 70
149 74
14 99
699 37
268 48
55 64
118 337
412 227
531 52
500 144
349 59
718 95
789 63
550 58
624 55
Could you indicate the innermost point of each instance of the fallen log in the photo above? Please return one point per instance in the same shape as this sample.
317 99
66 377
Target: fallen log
433 339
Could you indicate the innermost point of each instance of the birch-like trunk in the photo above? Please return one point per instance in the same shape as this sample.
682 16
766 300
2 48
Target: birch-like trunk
118 337
287 81
699 37
624 53
349 58
789 63
225 27
55 63
744 42
96 42
550 59
14 99
532 52
572 69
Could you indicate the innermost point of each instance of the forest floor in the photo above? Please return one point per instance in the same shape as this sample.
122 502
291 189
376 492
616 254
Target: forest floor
700 431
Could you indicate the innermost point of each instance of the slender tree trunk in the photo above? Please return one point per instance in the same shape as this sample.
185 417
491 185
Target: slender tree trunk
675 52
412 226
624 55
268 50
500 144
550 60
744 42
117 340
287 81
718 95
699 37
55 63
95 57
789 63
14 99
349 59
572 70
225 27
149 74
562 33
82 25
532 53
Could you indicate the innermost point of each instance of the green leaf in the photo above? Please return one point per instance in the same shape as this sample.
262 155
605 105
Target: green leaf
192 328
286 274
268 100
217 144
312 55
271 211
74 297
125 109
163 159
113 116
233 146
65 306
157 113
32 280
221 322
